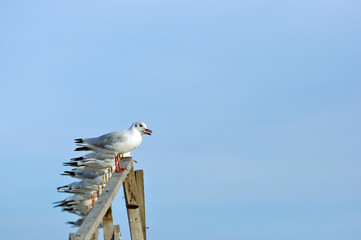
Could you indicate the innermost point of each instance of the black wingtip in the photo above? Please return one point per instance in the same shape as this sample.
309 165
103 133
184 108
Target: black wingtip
68 173
60 205
82 149
62 187
78 140
67 209
71 164
77 159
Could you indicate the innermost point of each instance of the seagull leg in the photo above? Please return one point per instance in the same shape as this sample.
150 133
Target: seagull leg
87 209
118 167
116 162
93 200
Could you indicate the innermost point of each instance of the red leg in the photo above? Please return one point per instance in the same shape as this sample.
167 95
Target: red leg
103 181
118 167
116 162
93 200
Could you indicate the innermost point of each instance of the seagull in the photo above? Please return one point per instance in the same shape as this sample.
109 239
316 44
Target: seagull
76 201
100 155
119 142
91 162
76 223
81 174
87 185
77 209
97 169
88 188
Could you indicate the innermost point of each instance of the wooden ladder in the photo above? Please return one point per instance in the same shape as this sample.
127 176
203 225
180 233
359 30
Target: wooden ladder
133 184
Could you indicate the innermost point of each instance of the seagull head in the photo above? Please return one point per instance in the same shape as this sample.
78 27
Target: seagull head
142 128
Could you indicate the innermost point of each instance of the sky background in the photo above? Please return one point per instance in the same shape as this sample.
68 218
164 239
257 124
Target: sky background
254 105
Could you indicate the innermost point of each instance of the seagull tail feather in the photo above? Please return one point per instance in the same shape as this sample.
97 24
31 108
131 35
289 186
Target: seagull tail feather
68 173
64 188
83 149
72 164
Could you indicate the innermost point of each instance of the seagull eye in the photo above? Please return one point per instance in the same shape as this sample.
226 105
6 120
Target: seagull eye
140 125
136 125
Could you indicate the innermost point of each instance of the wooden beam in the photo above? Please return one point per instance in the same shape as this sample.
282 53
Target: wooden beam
108 224
131 195
139 178
95 234
92 221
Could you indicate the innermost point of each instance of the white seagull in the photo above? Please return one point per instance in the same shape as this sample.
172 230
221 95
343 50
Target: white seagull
119 142
100 155
81 174
87 185
76 201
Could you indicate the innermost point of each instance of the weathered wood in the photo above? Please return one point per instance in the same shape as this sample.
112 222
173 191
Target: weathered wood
95 234
135 224
139 178
91 222
130 190
134 219
116 232
108 224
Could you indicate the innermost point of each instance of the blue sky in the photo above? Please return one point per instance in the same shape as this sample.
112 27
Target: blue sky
254 105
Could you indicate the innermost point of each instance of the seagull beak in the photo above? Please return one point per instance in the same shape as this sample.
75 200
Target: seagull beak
147 131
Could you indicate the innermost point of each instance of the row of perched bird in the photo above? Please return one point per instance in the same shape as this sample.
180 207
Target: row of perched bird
94 169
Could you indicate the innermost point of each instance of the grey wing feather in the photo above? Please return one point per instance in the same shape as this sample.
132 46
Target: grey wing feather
103 140
87 174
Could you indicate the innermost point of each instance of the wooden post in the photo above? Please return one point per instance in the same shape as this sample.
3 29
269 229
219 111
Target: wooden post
131 195
116 232
95 235
139 178
108 224
95 216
